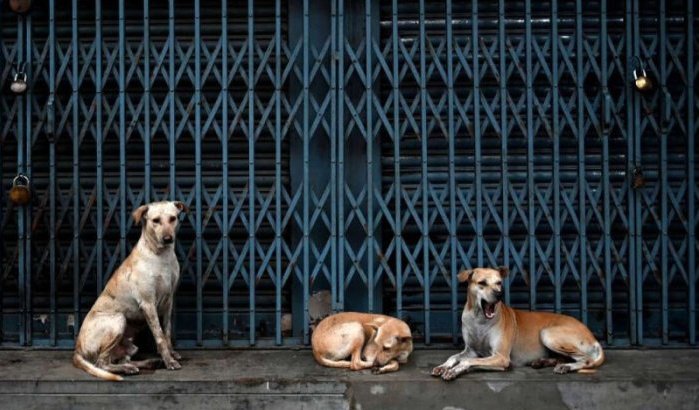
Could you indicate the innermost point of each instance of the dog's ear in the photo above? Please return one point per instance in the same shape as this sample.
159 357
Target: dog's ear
465 275
392 341
504 271
371 329
181 206
139 213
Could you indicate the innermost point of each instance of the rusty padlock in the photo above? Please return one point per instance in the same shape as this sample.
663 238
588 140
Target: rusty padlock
20 6
20 193
638 180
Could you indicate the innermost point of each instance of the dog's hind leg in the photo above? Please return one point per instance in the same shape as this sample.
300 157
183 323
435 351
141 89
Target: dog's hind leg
585 351
340 364
113 355
354 364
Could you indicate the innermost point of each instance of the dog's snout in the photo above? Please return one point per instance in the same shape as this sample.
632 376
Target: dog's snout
168 239
498 295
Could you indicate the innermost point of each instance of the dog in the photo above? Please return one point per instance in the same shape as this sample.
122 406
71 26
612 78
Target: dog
140 291
370 340
498 336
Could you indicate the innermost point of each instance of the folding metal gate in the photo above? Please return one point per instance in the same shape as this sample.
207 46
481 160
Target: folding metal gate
369 148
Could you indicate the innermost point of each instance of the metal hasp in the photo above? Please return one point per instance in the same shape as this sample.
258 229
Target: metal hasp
365 149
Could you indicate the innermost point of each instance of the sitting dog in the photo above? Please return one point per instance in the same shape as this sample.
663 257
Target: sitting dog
497 336
377 341
140 290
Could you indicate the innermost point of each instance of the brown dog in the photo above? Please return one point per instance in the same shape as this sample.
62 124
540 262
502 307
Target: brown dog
497 336
371 340
141 290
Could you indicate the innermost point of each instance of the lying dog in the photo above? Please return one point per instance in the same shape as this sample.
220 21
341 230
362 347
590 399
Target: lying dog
497 336
141 290
377 341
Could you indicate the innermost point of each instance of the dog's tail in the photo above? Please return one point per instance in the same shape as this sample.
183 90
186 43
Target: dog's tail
81 363
596 362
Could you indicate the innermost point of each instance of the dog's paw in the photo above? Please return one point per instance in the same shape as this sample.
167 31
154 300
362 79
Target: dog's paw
131 369
562 368
176 355
376 370
438 371
449 375
173 364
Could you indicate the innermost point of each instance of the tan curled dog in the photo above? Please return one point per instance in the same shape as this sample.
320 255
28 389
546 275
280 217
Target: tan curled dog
140 290
370 340
498 336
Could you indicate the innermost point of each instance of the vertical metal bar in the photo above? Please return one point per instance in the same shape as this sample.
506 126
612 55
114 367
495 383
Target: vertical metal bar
396 160
556 158
582 183
224 164
452 177
278 164
52 174
503 144
122 130
425 204
341 154
172 138
334 286
306 188
251 167
76 168
691 187
28 153
368 89
638 227
531 223
477 130
606 188
663 174
146 105
21 217
3 210
100 172
631 197
197 169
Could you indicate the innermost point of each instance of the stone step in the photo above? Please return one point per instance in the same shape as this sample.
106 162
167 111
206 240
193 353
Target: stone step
290 379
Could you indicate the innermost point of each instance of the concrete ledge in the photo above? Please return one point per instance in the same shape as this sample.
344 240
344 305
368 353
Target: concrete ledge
274 379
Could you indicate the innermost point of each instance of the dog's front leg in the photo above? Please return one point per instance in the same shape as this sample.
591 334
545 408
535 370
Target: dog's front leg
494 362
391 366
151 314
453 361
167 327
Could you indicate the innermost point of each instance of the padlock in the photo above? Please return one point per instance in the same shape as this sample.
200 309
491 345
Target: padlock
19 83
20 6
20 193
638 180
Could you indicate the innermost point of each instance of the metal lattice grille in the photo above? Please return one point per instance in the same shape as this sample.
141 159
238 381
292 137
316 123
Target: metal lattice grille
369 148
